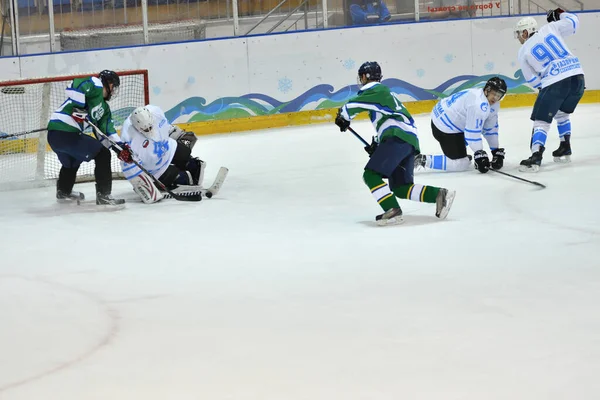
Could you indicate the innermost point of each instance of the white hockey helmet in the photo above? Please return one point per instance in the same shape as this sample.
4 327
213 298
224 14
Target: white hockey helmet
528 24
142 121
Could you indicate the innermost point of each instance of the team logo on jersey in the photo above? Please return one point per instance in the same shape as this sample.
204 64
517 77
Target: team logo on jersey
97 112
484 106
145 144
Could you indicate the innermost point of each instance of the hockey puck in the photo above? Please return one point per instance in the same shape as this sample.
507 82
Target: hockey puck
209 194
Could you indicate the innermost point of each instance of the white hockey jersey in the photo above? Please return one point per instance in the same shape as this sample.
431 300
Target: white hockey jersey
545 57
468 112
154 155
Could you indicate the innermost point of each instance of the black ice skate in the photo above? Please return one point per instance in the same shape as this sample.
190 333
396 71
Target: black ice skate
392 216
532 164
108 200
563 153
420 161
74 196
443 202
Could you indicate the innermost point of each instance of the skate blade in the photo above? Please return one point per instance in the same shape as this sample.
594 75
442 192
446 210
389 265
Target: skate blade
449 200
69 201
532 168
390 222
562 160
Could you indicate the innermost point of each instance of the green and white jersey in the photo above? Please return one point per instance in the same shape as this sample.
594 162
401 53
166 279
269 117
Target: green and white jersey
87 94
388 115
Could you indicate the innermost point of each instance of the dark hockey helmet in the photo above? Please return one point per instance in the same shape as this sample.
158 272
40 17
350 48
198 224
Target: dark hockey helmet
371 69
107 77
496 84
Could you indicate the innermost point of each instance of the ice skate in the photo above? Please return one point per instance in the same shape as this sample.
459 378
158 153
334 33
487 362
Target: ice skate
532 164
393 216
108 200
420 161
74 196
563 153
443 202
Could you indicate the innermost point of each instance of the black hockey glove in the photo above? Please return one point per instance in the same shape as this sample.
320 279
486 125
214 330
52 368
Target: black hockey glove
341 122
497 158
554 15
372 147
482 162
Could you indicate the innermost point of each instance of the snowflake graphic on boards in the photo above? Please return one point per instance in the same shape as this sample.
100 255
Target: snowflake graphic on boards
449 58
349 63
489 66
420 72
284 85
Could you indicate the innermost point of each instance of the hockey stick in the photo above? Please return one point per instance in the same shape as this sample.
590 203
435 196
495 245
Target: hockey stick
210 191
358 136
22 133
519 178
161 186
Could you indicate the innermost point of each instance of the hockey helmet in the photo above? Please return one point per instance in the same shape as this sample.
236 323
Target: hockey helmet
107 77
371 70
142 121
528 24
496 84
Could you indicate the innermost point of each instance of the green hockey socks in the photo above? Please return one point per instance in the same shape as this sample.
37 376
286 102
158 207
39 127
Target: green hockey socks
380 190
416 192
387 199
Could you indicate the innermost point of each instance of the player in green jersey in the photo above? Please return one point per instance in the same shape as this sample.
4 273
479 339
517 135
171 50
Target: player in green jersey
392 150
86 98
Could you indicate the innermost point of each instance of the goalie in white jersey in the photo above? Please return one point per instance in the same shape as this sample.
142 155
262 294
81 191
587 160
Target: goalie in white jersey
548 65
463 119
163 149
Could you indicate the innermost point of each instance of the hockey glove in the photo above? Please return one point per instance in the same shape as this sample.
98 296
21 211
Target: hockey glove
497 158
370 149
124 154
341 122
482 162
554 15
79 115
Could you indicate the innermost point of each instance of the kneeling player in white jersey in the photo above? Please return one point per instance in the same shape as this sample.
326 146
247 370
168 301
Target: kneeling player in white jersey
465 117
548 65
163 149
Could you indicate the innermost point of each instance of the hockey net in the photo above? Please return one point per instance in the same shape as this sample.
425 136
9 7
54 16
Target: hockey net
26 105
97 38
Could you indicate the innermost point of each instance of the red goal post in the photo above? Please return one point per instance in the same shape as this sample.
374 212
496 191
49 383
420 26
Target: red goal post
26 105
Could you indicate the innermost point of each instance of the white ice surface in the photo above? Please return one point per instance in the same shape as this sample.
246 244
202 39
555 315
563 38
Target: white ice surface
281 287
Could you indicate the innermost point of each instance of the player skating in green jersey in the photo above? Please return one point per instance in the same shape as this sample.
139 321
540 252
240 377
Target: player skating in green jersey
392 150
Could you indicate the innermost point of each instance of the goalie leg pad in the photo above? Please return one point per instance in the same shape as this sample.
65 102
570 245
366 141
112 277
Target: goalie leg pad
145 188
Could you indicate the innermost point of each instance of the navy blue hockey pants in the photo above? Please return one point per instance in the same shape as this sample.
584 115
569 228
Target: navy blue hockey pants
560 96
394 159
73 148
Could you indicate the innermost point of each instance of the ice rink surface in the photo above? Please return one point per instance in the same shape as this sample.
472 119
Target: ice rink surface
282 287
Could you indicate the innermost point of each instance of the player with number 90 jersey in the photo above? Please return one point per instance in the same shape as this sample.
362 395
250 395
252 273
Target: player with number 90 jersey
545 57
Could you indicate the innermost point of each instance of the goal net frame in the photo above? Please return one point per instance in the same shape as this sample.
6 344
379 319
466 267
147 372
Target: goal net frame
38 143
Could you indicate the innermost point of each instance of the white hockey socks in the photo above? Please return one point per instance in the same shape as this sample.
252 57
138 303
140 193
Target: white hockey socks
540 133
145 188
444 163
563 123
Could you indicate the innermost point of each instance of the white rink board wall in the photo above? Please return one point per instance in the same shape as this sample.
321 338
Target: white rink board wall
262 75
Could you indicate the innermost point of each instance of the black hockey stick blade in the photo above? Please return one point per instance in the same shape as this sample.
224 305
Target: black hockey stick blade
519 178
184 197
